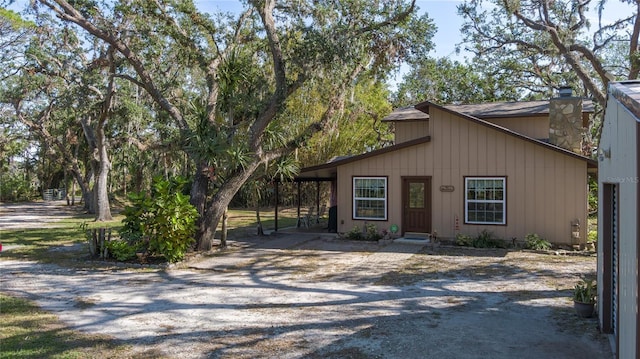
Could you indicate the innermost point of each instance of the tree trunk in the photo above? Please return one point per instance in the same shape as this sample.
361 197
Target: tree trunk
199 189
73 193
219 203
90 204
223 235
260 229
103 211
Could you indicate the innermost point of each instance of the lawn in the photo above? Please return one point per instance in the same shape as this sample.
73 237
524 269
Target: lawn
28 332
35 243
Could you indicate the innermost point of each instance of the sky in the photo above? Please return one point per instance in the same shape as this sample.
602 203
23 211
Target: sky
445 16
443 13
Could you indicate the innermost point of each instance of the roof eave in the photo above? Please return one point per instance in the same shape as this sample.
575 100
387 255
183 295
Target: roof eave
334 165
425 105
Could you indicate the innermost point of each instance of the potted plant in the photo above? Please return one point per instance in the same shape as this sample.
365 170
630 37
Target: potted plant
584 297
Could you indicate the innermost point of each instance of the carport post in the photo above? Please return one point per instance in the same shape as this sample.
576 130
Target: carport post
299 195
277 185
317 201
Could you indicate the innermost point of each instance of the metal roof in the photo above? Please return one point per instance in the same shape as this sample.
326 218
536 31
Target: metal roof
628 93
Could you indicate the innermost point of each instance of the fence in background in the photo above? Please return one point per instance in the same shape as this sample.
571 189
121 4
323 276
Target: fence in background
54 194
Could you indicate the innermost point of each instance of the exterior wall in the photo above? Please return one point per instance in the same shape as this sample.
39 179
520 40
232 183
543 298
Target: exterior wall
534 127
619 139
546 190
410 130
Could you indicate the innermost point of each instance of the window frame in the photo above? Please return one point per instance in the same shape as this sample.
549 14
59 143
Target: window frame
354 199
467 201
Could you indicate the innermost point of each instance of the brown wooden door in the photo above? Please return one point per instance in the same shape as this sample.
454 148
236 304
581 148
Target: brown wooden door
416 204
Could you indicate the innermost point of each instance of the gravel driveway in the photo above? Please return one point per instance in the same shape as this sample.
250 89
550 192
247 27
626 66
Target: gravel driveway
302 295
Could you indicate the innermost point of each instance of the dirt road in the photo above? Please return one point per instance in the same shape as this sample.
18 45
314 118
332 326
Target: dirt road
34 214
303 296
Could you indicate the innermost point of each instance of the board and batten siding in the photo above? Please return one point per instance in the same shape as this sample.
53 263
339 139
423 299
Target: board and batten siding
620 168
534 127
410 130
546 190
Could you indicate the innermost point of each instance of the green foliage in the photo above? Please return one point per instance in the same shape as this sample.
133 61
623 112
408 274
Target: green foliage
464 240
592 236
372 233
355 234
357 129
585 291
593 194
122 250
534 241
484 239
135 217
166 220
451 82
14 187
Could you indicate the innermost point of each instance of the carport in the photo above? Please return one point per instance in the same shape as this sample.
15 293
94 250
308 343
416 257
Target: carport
316 174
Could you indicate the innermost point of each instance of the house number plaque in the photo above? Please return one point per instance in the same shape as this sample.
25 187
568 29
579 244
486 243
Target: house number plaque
446 188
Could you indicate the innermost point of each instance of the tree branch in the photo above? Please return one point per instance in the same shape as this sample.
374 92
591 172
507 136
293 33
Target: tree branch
67 12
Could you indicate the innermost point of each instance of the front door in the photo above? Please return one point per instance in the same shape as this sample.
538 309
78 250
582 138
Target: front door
416 204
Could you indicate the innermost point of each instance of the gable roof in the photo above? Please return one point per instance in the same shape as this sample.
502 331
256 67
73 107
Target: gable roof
513 109
426 105
407 113
420 112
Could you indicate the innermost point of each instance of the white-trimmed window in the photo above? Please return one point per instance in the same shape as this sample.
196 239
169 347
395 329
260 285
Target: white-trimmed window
370 198
485 200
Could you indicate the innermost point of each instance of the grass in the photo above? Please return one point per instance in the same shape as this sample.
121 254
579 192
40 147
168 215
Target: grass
36 243
28 332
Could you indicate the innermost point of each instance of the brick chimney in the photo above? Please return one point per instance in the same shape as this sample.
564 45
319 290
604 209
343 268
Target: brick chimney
566 128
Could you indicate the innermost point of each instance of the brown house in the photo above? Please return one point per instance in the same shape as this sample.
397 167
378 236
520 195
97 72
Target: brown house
467 168
619 219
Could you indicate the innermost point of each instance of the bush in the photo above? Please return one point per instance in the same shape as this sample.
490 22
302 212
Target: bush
372 232
122 250
485 239
533 241
355 234
464 240
166 220
13 188
135 217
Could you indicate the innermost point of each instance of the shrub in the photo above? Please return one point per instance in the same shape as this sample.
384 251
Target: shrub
122 250
533 241
135 217
355 234
372 232
166 220
14 187
464 240
485 239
